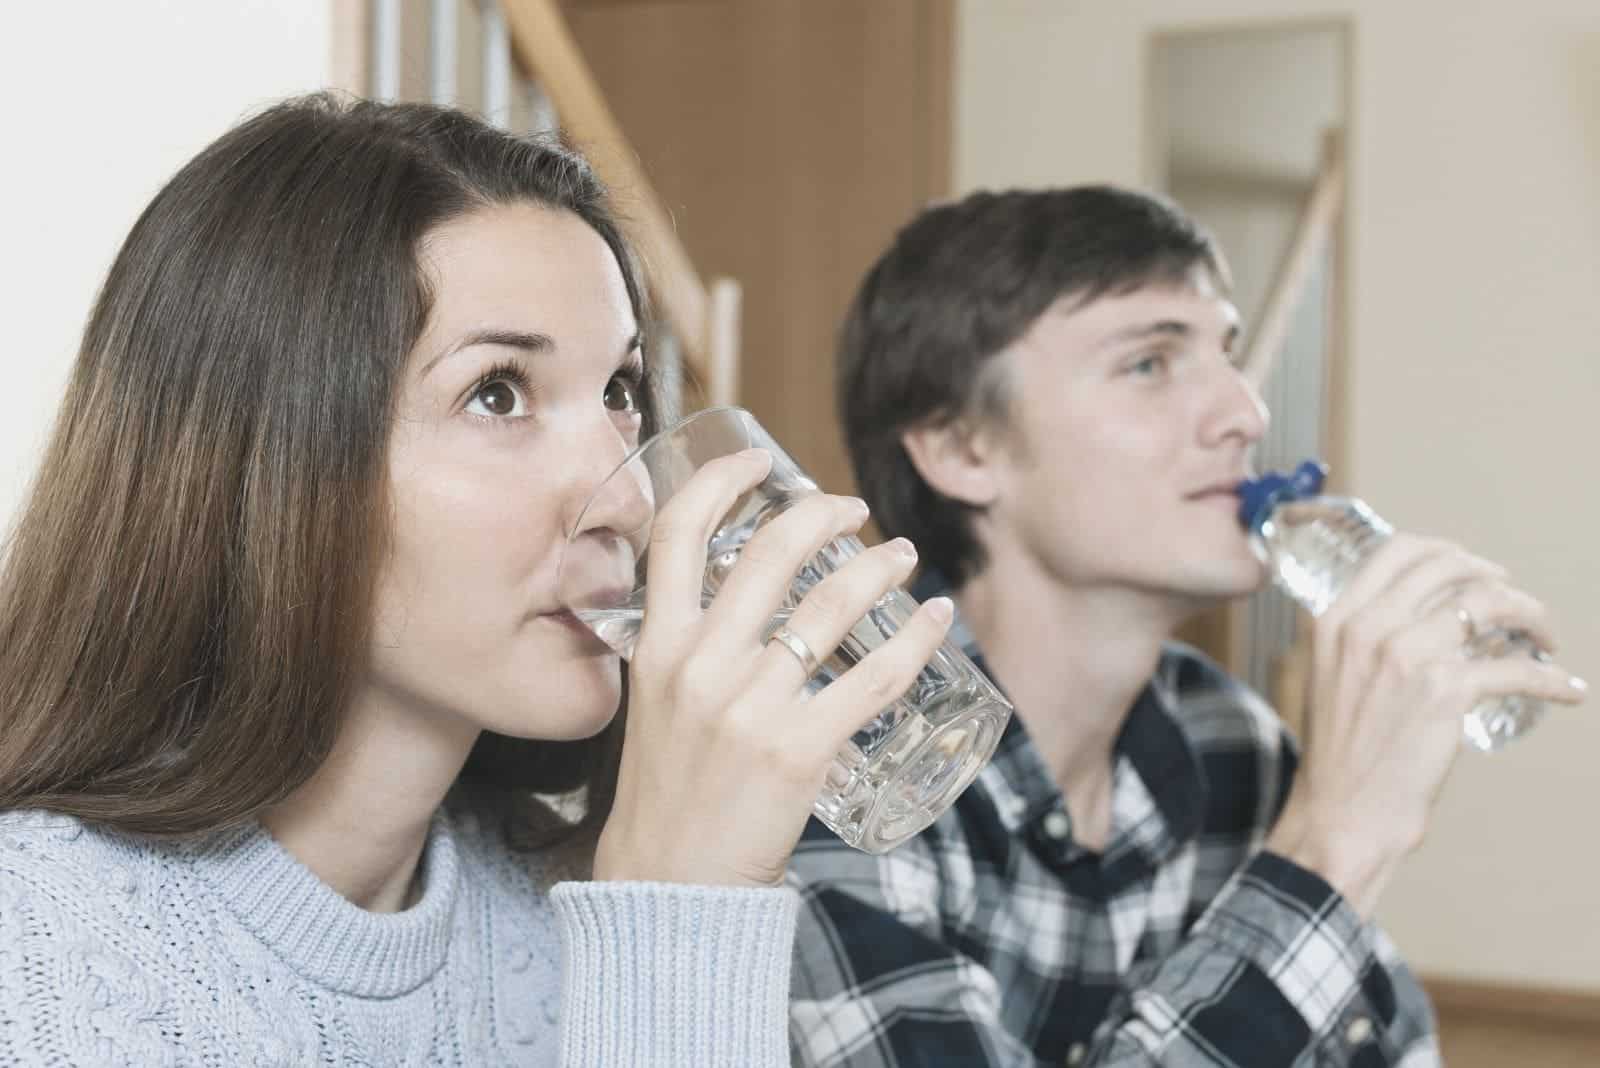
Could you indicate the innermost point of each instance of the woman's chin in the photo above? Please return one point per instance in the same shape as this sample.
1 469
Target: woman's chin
581 709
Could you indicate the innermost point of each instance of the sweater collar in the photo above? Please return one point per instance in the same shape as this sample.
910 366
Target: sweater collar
320 934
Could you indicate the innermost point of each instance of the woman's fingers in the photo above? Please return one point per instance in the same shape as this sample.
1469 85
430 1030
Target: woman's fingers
882 677
759 583
680 534
838 603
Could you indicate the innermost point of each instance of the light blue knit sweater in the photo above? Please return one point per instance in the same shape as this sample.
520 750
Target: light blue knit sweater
228 952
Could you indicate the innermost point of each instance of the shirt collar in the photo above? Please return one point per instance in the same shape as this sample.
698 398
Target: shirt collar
1151 746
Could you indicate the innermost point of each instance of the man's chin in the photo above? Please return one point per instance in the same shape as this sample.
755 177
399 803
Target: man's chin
1226 582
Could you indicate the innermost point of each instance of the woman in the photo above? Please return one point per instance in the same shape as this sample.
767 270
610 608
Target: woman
282 669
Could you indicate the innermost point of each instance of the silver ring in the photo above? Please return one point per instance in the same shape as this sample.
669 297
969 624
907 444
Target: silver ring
797 645
1469 626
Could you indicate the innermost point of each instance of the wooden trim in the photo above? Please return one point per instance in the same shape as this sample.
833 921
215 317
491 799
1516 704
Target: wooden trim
1336 410
581 4
1234 26
348 62
1259 185
936 60
544 45
1291 681
1313 232
1512 1005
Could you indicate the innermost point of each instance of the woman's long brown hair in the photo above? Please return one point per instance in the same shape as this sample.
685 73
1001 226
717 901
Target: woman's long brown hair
185 600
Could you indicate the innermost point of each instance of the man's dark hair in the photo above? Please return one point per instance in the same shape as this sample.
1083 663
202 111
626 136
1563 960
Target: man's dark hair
961 283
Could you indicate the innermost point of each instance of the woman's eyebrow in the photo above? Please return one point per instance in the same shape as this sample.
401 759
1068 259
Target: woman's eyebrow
531 343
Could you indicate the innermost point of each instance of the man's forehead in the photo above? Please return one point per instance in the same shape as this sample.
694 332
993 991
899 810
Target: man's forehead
1194 303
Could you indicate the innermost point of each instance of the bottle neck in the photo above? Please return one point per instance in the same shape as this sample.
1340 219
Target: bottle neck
1313 546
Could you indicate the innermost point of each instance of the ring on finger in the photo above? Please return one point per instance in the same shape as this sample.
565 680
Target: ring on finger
797 645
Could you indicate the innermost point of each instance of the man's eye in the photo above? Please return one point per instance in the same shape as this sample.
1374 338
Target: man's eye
497 398
1149 365
621 395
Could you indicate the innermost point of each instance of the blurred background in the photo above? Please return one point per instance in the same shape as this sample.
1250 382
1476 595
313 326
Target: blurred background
1408 191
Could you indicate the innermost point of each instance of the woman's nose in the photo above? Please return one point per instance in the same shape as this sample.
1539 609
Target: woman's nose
609 497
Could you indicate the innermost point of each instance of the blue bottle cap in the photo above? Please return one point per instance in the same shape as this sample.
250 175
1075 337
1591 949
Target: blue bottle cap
1259 496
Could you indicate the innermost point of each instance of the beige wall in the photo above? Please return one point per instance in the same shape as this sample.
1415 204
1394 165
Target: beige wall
1474 372
1243 117
104 100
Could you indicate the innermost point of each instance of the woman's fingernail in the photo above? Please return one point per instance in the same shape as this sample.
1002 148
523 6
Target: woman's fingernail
859 507
903 548
941 608
1578 684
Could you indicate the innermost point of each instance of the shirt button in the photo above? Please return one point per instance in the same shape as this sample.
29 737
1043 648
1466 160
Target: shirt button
1358 1031
1057 826
1075 1054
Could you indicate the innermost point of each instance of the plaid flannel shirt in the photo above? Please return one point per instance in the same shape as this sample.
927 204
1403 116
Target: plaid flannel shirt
995 939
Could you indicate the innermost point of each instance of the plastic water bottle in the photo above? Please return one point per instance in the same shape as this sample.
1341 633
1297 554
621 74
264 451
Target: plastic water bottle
1314 544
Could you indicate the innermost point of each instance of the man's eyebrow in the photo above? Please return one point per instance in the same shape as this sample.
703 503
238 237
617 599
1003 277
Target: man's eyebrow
1167 328
532 343
1140 331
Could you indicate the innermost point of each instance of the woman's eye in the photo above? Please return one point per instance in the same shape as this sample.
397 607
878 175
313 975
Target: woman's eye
497 398
620 395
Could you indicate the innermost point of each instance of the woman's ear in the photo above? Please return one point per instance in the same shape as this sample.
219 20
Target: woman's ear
956 458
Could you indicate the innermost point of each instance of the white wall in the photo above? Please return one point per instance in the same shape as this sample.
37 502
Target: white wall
104 100
1475 363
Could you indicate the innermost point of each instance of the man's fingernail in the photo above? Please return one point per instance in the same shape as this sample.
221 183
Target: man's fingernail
942 608
903 548
1578 684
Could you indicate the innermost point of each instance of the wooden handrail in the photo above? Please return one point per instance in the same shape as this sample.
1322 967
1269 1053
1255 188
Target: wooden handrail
543 43
1312 234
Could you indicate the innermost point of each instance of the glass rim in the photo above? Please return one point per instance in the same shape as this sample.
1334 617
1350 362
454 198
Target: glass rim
639 450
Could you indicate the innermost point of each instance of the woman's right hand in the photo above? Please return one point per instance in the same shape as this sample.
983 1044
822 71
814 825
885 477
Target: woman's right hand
724 751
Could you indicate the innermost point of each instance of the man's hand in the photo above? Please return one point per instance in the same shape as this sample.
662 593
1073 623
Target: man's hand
1390 685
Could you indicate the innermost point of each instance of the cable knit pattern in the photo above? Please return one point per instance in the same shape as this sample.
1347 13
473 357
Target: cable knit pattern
226 951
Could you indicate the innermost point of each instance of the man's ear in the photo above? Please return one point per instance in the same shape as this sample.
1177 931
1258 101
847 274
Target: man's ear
956 458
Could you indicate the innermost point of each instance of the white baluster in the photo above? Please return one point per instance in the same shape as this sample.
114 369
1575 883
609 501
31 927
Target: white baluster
542 117
386 49
444 22
497 68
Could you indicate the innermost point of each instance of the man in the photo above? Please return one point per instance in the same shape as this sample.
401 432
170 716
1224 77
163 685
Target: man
1039 390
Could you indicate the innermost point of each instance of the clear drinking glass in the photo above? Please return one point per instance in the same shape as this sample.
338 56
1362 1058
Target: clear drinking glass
906 766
